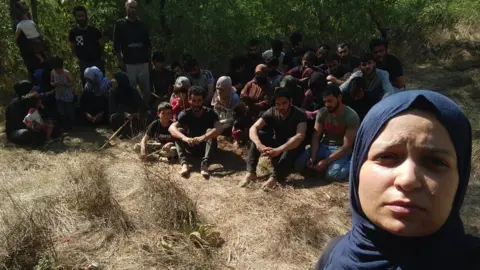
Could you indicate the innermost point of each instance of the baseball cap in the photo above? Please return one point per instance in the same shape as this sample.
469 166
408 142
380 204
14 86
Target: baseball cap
182 82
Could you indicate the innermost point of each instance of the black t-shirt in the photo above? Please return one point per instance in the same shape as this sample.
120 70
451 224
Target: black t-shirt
197 126
286 128
87 43
159 133
253 62
393 66
294 58
340 72
162 80
132 40
351 63
361 106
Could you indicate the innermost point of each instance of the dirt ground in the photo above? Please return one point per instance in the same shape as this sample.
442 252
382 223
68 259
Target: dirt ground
283 229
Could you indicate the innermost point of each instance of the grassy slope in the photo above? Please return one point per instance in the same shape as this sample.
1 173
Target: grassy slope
284 229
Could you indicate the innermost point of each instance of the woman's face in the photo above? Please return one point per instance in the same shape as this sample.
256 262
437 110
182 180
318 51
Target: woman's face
409 180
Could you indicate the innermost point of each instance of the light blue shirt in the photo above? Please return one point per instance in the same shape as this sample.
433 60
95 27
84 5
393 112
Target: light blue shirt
379 86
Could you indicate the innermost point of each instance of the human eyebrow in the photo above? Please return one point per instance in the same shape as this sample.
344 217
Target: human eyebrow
438 150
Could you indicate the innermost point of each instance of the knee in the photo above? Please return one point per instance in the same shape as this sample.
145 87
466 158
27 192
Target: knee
337 173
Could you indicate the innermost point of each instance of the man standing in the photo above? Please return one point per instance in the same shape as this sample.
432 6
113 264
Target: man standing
376 80
349 61
254 56
283 147
388 62
86 42
131 42
161 77
203 128
340 124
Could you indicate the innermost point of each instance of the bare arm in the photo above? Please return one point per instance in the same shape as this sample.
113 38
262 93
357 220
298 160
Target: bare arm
346 148
18 33
69 79
253 132
399 82
318 131
143 145
213 133
173 129
296 140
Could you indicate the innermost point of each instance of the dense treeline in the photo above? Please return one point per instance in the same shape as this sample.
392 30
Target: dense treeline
213 31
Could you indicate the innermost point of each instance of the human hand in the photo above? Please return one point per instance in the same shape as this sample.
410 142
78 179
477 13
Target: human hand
262 148
310 163
321 166
273 152
167 147
189 141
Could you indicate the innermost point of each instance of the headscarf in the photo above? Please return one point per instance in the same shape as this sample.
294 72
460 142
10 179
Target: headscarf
368 247
224 83
96 82
125 93
22 88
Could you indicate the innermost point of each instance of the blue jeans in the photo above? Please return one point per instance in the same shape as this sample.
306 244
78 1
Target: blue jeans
337 170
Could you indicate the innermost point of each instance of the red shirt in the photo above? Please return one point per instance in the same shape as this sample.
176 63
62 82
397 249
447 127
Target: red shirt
178 107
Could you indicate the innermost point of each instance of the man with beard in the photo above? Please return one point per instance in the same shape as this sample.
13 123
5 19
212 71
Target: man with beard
274 75
277 52
307 66
199 78
337 73
293 57
339 123
322 53
202 128
388 62
86 42
349 61
254 56
376 80
131 42
282 145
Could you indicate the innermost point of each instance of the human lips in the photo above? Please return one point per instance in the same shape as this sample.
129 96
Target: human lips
404 207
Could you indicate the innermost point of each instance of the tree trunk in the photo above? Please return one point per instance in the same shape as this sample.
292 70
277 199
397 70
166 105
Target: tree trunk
34 9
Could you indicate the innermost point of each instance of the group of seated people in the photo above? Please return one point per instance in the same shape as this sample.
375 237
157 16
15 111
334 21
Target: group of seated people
319 103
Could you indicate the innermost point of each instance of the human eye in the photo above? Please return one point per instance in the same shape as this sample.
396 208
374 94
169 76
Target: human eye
387 159
436 162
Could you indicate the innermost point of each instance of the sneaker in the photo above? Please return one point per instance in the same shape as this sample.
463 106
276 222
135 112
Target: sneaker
185 171
248 178
204 171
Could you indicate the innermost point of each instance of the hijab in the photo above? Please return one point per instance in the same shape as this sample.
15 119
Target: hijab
368 247
224 83
125 93
96 82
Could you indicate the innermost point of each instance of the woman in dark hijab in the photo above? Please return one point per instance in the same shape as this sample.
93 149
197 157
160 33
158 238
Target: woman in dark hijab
15 128
409 175
126 103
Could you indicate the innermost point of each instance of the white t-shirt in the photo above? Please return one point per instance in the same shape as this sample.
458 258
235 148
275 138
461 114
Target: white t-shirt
269 53
29 28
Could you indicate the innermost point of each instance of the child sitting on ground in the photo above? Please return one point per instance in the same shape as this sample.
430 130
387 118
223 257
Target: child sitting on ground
158 131
180 90
61 80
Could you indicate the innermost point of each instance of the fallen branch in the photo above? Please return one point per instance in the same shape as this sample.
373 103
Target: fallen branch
115 134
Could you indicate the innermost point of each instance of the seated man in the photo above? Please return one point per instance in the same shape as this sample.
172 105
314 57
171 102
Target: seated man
349 61
277 52
376 80
201 130
274 75
257 93
283 146
340 124
337 73
388 62
158 130
359 100
199 77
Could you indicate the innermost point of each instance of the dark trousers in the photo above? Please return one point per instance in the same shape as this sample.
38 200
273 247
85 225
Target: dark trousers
27 137
282 164
205 149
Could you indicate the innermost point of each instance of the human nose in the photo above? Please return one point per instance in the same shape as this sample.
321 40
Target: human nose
408 176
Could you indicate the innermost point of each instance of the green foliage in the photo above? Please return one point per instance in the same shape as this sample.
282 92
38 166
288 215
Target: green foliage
213 31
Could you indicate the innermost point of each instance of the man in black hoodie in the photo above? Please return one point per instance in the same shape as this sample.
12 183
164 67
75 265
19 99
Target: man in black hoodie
131 42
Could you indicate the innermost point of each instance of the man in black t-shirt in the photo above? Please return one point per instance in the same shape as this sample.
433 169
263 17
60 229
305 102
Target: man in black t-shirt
283 144
358 99
158 131
86 42
349 61
161 77
132 45
337 73
388 62
196 132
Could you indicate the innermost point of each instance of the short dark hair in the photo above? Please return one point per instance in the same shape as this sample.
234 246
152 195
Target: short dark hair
196 91
272 61
378 42
333 57
164 106
310 57
158 56
79 8
343 44
176 64
356 84
367 57
326 46
282 92
57 62
331 89
295 38
253 42
277 45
